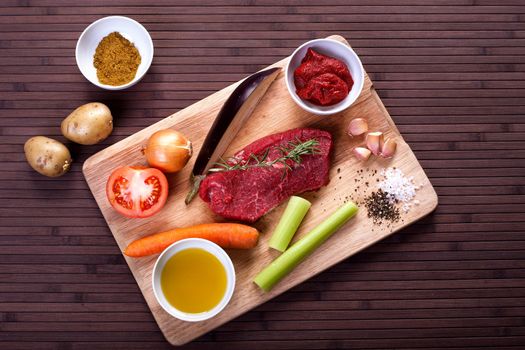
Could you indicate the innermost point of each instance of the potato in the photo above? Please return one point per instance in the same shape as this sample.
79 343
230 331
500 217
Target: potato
47 156
88 124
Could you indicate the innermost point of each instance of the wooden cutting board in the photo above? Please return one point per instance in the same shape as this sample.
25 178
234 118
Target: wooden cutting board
276 112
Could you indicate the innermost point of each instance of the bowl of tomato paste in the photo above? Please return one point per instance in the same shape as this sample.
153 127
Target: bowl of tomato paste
324 76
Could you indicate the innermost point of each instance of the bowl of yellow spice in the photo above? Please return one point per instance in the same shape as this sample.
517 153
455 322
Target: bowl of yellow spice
114 52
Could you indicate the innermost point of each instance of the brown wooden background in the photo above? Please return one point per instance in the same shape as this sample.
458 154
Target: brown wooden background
452 75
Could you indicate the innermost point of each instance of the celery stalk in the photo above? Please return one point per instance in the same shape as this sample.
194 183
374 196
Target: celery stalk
287 261
290 220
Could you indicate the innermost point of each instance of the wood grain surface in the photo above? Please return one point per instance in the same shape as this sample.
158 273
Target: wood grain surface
450 72
276 112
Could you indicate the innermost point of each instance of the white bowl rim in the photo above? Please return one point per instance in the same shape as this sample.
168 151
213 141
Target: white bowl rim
224 259
137 78
337 107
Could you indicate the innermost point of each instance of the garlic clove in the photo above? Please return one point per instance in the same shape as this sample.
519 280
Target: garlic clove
362 153
374 142
357 126
389 148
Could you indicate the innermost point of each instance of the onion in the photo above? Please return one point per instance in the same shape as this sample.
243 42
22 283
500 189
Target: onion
168 150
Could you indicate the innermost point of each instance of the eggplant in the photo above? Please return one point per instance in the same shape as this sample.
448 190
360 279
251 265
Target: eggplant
232 116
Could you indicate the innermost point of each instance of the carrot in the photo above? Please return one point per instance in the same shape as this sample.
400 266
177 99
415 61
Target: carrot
226 235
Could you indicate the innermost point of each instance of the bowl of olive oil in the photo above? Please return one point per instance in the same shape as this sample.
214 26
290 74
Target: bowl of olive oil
193 279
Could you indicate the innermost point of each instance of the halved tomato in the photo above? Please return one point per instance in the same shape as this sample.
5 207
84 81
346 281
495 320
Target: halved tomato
136 191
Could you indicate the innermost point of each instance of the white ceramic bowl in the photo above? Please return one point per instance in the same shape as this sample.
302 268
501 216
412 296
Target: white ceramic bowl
334 49
208 246
96 31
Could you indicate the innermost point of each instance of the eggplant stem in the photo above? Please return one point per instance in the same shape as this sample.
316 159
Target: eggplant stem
195 184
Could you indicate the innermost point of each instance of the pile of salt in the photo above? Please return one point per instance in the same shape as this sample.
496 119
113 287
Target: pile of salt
399 187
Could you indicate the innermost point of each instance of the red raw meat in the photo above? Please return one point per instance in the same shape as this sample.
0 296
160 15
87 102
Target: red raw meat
247 195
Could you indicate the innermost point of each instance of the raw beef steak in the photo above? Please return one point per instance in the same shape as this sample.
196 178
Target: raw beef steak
248 194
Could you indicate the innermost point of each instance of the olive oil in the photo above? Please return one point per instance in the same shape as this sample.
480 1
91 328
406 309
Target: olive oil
193 281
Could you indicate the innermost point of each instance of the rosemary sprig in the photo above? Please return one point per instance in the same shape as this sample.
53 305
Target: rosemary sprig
292 151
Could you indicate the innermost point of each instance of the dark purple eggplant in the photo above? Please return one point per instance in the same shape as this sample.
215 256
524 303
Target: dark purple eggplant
232 116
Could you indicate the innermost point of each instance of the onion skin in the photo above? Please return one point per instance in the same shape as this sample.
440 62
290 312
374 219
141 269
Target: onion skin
168 150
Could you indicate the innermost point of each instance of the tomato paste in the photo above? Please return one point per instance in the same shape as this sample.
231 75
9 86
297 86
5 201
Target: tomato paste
322 79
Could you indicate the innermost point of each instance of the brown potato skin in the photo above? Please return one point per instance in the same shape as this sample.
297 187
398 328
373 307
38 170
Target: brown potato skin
47 156
89 124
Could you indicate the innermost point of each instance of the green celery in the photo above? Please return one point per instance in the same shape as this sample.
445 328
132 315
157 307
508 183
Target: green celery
287 261
290 220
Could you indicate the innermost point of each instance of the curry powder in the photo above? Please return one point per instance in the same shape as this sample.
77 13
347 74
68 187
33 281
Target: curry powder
116 60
